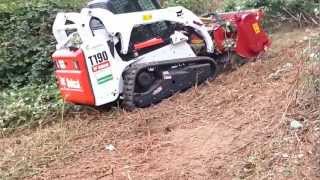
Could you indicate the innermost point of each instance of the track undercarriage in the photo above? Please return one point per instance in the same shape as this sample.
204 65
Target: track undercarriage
149 83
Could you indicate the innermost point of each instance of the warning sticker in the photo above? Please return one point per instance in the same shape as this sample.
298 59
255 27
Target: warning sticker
105 79
101 66
147 17
256 28
102 72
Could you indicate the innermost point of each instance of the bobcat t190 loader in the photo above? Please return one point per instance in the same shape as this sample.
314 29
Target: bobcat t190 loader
135 51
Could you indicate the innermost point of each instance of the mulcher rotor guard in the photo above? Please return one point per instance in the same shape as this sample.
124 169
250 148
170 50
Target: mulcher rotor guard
250 38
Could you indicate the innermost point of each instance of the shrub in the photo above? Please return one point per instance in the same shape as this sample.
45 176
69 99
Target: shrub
298 11
25 105
26 42
27 88
197 6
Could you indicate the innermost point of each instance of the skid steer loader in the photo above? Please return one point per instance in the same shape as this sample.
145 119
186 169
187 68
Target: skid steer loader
136 52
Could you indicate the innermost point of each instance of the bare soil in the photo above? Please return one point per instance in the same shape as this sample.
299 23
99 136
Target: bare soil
235 127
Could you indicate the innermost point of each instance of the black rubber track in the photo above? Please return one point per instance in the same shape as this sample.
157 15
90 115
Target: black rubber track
131 73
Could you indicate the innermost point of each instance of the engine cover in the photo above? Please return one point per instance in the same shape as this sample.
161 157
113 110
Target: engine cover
72 77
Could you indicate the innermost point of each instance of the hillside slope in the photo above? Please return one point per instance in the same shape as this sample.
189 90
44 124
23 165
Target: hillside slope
228 128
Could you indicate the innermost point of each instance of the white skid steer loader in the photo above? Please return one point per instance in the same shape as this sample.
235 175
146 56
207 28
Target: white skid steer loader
137 52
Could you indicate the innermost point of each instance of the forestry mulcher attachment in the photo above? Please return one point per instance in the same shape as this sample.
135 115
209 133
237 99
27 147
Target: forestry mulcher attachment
135 51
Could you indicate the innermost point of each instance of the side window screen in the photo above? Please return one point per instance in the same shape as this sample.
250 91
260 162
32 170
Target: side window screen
146 5
123 6
96 24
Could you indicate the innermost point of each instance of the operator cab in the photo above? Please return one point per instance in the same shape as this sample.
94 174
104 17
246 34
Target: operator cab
125 6
140 34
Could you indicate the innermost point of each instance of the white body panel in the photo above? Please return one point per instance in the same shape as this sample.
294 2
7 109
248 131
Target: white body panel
123 24
171 51
106 77
106 74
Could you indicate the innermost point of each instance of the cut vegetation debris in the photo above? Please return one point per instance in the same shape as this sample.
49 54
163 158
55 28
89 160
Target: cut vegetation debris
261 121
235 127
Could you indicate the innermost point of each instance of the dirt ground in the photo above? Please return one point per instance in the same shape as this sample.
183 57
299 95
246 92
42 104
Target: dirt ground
235 127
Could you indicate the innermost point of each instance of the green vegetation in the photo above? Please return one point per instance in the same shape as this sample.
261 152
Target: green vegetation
300 12
197 6
26 105
11 5
281 11
27 85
